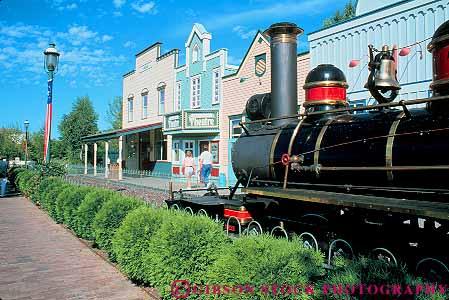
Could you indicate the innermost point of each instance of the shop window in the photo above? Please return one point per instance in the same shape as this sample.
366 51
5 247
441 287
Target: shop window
195 54
216 86
189 145
213 147
176 151
178 97
130 109
235 129
144 105
160 145
195 92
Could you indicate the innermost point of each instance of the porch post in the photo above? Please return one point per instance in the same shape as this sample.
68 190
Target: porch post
120 157
106 158
95 159
85 159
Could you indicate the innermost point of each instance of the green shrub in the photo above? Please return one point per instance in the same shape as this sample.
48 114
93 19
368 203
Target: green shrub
132 237
42 188
52 195
69 208
52 168
63 197
109 218
13 172
87 210
26 180
262 261
183 248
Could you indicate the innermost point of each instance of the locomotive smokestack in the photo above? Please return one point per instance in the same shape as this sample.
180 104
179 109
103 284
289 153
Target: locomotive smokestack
284 90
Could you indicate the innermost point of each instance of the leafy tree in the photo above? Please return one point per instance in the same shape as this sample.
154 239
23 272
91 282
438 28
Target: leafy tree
115 112
36 145
339 16
81 121
12 143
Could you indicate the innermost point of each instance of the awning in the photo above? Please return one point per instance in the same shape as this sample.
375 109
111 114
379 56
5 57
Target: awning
108 135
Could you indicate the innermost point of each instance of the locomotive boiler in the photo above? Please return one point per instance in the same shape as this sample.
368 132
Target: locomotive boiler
371 179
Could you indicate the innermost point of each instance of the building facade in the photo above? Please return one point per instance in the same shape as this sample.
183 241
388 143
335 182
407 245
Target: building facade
147 95
252 77
198 96
384 22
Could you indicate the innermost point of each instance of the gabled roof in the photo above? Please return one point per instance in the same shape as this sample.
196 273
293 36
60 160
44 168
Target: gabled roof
259 35
199 30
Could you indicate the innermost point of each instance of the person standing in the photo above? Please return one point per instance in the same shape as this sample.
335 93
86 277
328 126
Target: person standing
188 167
205 164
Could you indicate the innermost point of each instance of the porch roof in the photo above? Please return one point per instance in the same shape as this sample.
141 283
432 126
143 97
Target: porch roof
107 135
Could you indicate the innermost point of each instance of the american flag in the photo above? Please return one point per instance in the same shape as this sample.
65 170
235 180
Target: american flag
48 122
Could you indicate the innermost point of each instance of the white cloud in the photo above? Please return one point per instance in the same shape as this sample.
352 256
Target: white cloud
117 14
71 6
129 44
119 3
243 33
144 7
106 38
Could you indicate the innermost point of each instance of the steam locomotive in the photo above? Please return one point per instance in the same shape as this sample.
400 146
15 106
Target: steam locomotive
375 182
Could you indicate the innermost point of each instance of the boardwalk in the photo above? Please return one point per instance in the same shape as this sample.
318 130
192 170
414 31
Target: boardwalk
41 260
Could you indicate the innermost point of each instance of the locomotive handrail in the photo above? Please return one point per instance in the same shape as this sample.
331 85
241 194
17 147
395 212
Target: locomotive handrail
351 109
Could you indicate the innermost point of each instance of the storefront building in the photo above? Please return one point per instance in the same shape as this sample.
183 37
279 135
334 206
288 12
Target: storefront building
147 97
252 77
195 118
383 22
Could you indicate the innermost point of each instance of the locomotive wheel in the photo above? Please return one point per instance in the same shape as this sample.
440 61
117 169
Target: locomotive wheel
175 207
339 249
189 210
433 270
202 212
253 228
278 231
228 225
384 255
164 205
309 241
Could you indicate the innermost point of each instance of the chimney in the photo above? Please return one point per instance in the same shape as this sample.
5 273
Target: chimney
284 89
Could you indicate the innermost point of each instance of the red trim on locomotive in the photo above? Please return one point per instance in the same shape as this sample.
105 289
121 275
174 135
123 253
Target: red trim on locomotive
326 93
242 215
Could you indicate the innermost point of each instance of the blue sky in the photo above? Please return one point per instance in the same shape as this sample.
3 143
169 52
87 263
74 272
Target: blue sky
99 38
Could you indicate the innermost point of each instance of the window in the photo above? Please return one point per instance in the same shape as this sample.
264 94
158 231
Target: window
213 147
130 109
176 153
216 86
188 146
178 97
144 105
195 93
162 100
195 54
160 145
235 129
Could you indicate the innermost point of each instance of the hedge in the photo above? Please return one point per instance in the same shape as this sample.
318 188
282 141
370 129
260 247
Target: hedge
85 214
109 218
183 248
156 247
132 238
262 261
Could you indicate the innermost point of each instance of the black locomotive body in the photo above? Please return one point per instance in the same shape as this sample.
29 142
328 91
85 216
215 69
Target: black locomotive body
371 179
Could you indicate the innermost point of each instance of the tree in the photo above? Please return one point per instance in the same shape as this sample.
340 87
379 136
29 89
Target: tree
36 146
339 16
12 143
115 112
81 121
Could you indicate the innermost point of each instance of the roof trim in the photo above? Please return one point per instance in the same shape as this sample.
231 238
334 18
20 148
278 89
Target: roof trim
148 48
107 135
259 32
200 31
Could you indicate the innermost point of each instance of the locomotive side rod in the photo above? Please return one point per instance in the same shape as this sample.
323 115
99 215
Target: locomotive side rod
401 103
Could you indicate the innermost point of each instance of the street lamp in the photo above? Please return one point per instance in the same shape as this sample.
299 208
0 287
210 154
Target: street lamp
27 124
51 60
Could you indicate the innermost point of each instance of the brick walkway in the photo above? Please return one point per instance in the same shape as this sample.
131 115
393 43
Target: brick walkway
41 260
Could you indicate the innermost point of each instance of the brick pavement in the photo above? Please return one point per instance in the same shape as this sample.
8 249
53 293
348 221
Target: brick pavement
39 259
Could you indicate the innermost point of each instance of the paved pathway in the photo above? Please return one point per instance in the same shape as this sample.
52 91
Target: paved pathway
41 260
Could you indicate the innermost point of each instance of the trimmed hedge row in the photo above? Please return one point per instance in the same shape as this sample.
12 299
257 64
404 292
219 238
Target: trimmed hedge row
155 247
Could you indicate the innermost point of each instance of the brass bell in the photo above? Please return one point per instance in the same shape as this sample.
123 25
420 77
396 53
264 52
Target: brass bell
385 78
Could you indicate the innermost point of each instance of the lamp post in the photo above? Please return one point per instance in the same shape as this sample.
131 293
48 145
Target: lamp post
27 124
51 59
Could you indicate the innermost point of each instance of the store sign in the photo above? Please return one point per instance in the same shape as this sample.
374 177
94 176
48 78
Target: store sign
201 119
173 122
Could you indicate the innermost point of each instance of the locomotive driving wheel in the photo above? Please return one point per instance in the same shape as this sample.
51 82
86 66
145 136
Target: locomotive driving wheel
433 270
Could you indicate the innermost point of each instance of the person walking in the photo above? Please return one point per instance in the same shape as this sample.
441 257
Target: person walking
188 168
205 164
